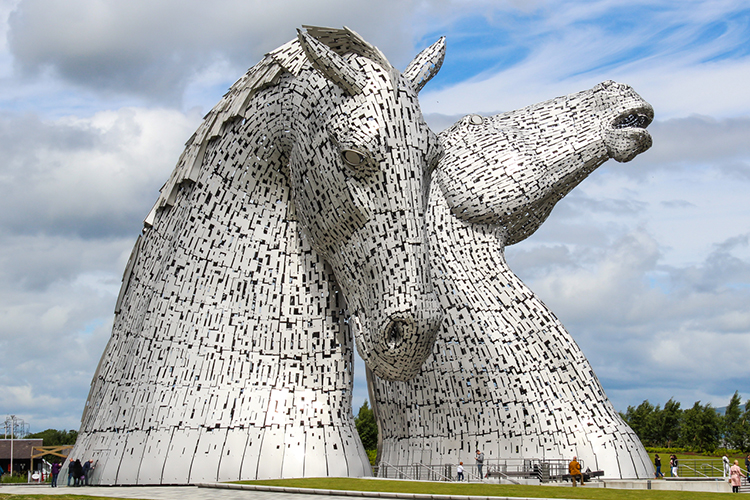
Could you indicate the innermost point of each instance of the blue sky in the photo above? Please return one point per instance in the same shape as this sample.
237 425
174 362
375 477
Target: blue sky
646 263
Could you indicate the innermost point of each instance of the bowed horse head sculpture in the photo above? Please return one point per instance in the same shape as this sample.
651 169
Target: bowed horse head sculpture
344 127
523 162
359 166
301 196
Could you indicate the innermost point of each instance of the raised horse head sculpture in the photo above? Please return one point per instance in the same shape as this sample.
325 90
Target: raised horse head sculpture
505 375
510 170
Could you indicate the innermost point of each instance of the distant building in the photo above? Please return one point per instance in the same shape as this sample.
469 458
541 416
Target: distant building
22 451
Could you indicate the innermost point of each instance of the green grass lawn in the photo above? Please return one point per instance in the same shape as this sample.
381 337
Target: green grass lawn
687 458
437 488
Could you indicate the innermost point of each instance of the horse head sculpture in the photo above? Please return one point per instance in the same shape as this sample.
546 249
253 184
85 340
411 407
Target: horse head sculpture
301 196
523 162
505 375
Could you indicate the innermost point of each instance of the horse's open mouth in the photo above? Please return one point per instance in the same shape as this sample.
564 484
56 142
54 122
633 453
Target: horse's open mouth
627 136
634 118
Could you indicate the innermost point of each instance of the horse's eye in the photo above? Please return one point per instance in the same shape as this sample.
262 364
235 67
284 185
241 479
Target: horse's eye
353 158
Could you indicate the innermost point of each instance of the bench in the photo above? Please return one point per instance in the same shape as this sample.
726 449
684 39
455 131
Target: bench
586 475
528 474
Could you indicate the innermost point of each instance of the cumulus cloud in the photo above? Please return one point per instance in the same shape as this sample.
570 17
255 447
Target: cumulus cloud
664 320
92 177
646 263
155 49
699 140
73 193
52 336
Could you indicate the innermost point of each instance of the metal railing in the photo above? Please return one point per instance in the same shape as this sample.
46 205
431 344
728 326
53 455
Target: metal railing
507 469
705 468
414 472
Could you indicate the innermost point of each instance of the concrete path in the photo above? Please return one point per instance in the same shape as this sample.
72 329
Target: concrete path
159 493
227 492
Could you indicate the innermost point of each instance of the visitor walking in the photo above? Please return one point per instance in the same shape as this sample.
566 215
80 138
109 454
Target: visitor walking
735 473
480 463
725 462
657 464
460 471
55 472
747 466
675 464
574 467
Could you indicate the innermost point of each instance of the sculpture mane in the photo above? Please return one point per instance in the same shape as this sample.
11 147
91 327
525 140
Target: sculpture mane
290 58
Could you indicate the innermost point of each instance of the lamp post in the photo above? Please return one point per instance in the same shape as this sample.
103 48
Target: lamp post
12 426
11 422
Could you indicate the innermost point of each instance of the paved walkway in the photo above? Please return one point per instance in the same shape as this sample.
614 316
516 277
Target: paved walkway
159 493
226 492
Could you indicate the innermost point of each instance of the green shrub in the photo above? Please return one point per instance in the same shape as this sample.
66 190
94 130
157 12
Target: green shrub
15 478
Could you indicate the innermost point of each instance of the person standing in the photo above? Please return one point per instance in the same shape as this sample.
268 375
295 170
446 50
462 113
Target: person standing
77 472
71 471
480 463
747 466
735 473
460 471
725 462
85 472
574 467
55 472
657 464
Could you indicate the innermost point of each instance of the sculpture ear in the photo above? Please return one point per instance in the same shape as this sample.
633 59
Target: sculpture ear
426 64
331 65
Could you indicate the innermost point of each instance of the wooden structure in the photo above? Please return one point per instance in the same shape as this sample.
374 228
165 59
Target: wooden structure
61 451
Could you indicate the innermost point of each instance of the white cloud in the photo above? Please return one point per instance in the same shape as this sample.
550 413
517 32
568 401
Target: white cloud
662 50
51 341
647 263
92 175
155 49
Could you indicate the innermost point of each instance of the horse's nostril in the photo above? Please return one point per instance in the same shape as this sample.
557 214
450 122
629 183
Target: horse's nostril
395 334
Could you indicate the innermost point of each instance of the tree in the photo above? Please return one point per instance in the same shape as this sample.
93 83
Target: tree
669 423
701 428
367 428
53 437
642 421
733 429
